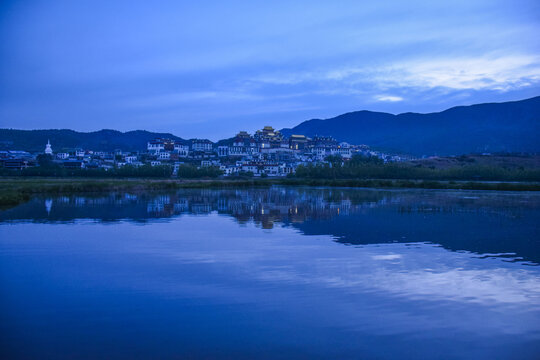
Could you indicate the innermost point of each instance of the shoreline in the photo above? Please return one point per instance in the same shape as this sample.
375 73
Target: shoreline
14 191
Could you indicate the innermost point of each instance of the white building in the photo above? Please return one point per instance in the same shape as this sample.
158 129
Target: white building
254 168
202 145
155 146
182 150
164 156
223 150
48 149
228 170
130 159
286 169
271 169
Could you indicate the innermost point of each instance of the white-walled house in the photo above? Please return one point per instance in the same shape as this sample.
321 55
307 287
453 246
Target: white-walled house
223 150
344 150
130 159
229 170
254 168
319 152
286 169
182 150
155 146
202 145
271 169
240 150
164 156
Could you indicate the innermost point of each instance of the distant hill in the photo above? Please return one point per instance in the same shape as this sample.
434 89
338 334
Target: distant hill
510 126
102 140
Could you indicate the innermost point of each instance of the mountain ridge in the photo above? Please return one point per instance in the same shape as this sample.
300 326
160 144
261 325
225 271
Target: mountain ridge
511 126
100 140
488 127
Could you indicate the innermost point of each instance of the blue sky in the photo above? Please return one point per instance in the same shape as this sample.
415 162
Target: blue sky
211 68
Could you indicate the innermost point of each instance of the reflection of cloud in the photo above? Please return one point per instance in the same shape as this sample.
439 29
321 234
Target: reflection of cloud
482 286
489 286
425 272
386 257
415 281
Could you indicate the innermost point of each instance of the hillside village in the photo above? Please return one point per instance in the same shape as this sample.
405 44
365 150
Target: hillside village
265 153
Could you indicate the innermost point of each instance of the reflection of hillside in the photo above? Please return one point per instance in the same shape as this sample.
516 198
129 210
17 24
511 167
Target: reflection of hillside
481 222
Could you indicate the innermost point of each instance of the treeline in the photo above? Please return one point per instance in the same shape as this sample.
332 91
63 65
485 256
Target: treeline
127 171
186 171
360 167
145 171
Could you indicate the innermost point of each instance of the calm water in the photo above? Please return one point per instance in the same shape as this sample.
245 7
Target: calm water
280 273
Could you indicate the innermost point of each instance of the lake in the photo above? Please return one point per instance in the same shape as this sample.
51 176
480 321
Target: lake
279 273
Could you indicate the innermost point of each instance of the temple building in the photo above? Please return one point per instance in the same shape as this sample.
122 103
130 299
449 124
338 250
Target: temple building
48 149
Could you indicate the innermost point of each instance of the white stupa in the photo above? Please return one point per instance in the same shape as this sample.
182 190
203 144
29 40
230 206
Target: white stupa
48 149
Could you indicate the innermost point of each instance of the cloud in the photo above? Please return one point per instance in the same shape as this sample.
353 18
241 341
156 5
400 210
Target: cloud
178 98
487 73
497 73
389 98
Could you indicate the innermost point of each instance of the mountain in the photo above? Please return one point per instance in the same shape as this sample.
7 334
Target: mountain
102 140
509 126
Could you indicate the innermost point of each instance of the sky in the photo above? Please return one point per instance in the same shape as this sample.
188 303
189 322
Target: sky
212 68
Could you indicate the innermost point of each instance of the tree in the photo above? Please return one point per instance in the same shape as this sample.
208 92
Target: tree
359 160
45 160
335 160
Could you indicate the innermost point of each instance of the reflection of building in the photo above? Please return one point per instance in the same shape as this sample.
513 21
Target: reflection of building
263 207
48 206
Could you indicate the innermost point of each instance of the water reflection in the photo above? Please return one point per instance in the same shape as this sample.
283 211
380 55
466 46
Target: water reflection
272 273
494 224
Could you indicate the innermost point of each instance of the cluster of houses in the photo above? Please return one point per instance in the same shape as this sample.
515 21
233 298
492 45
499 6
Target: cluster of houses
265 153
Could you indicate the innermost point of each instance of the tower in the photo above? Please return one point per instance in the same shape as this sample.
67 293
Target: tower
48 149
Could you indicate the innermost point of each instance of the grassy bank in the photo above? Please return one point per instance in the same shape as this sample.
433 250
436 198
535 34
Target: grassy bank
416 184
16 190
428 170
